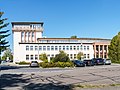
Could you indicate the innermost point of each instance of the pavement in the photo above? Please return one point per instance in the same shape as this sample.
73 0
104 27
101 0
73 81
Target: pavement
106 75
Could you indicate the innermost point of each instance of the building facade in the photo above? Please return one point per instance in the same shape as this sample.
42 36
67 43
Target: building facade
28 44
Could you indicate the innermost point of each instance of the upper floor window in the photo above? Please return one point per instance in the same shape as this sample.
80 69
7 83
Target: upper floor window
59 48
63 47
67 47
36 48
84 47
32 34
27 48
56 48
87 47
31 48
28 34
44 48
52 47
48 48
22 34
40 47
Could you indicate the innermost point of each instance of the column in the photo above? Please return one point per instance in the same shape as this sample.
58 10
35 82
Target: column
99 51
103 50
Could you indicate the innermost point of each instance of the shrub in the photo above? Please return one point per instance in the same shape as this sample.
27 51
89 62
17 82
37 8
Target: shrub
23 63
56 64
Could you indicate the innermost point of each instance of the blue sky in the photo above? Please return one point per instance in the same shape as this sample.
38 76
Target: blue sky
65 18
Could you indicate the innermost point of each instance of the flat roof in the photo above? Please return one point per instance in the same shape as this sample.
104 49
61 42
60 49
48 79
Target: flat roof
73 39
22 23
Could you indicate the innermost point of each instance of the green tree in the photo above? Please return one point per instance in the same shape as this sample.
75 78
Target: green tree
79 55
43 57
3 34
7 53
61 57
114 49
74 36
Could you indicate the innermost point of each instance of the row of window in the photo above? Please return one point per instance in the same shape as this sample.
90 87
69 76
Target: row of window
71 56
27 34
48 48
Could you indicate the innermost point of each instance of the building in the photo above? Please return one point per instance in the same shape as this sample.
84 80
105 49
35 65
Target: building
29 44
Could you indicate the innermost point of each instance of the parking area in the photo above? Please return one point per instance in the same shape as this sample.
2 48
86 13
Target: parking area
60 78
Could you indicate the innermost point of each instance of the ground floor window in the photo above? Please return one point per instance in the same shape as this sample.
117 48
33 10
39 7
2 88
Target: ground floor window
27 57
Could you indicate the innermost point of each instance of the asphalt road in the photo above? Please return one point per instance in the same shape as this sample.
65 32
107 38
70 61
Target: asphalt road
60 78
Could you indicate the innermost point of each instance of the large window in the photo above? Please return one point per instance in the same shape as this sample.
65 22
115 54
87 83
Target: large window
32 34
22 34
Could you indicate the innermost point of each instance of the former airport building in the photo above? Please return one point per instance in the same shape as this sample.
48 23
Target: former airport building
29 43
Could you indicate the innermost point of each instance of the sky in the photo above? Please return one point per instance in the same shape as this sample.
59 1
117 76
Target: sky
66 18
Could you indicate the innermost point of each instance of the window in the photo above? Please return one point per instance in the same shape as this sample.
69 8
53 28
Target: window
28 34
70 47
48 48
27 57
40 48
59 48
74 47
84 55
27 48
84 47
36 57
52 47
32 34
36 48
81 47
63 47
31 48
87 47
44 48
52 55
77 47
67 47
56 48
88 55
22 34
31 57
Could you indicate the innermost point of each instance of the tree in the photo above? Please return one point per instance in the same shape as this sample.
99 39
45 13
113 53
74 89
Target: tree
7 53
62 57
114 49
79 55
3 34
43 57
74 36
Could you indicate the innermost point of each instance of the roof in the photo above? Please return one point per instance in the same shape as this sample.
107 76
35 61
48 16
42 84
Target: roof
22 23
73 39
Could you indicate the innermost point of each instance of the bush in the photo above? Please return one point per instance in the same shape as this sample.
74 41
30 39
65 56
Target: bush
23 63
56 64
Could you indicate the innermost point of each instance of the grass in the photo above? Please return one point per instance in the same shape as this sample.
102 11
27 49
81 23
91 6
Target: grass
95 86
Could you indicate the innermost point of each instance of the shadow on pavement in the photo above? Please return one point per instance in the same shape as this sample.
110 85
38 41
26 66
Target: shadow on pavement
17 80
